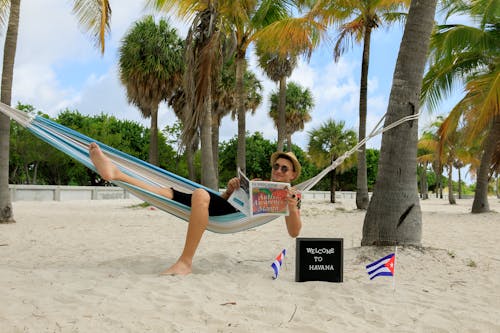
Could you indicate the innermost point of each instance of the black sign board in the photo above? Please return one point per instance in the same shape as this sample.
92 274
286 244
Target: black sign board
319 259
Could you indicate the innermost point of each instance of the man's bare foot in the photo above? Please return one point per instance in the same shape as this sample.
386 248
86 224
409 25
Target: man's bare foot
104 166
179 268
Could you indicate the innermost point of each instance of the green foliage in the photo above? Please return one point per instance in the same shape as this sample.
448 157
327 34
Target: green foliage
35 162
258 154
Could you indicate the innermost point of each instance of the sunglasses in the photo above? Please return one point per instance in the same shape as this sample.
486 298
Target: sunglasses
283 168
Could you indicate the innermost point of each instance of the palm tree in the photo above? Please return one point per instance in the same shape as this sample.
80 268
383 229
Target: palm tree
299 103
6 213
94 16
394 215
357 20
204 45
469 55
151 67
246 19
327 143
278 67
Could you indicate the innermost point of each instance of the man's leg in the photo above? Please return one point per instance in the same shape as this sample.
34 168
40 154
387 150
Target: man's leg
197 224
109 171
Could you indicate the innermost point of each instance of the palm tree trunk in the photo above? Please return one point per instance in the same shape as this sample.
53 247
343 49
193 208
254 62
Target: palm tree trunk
9 54
459 183
480 204
282 114
215 145
240 93
207 171
362 177
153 144
289 142
451 196
394 215
332 185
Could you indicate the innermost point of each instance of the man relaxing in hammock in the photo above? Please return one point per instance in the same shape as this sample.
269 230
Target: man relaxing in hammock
285 168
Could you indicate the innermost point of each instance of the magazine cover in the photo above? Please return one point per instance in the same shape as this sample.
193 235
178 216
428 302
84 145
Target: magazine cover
259 197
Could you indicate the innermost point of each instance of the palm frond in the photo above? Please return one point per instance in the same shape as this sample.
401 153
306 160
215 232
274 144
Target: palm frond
95 17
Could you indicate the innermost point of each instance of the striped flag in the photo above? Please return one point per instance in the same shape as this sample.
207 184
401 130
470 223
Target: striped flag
276 265
382 267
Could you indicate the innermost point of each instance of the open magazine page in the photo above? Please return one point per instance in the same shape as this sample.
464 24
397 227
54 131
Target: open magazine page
259 197
269 198
240 198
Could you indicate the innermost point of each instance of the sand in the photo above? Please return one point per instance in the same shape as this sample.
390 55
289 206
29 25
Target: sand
92 266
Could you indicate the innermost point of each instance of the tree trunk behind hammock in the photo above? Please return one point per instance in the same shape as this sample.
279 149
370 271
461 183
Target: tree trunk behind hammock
207 170
153 142
241 112
282 115
362 199
394 215
9 54
451 196
332 185
459 183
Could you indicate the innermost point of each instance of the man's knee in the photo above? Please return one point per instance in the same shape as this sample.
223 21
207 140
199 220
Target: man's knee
199 198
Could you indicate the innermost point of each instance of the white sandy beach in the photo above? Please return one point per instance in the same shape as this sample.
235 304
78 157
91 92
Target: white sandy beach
92 266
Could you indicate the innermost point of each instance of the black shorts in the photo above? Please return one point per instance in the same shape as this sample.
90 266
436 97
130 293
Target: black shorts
218 205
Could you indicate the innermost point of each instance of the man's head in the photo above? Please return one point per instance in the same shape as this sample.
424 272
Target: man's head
285 167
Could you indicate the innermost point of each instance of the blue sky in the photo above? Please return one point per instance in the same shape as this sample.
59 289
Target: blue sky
58 67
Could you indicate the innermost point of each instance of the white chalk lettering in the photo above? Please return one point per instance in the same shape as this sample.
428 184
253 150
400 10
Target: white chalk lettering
311 250
321 268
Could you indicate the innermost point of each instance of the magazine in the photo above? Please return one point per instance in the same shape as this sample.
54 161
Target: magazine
258 197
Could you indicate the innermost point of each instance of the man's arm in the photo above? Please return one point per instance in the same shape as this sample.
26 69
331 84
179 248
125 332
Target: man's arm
293 221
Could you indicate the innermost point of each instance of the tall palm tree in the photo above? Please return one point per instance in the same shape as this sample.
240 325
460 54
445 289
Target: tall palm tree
246 19
151 66
6 213
357 20
94 16
298 106
394 215
278 68
203 63
469 55
327 143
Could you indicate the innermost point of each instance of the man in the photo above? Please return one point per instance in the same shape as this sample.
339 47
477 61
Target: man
285 168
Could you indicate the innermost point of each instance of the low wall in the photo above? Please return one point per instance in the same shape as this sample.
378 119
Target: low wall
62 193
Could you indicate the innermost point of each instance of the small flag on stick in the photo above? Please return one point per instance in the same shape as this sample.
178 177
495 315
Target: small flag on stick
276 265
383 267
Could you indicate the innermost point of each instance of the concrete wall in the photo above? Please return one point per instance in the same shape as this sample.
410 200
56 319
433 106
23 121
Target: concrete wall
61 193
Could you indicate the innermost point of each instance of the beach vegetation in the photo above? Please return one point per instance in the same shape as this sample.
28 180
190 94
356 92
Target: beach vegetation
327 143
299 104
151 65
468 55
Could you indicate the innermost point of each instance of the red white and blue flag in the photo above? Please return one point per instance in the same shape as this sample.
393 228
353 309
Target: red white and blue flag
276 265
382 267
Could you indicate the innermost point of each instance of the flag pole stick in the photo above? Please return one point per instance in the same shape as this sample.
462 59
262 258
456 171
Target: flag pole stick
394 274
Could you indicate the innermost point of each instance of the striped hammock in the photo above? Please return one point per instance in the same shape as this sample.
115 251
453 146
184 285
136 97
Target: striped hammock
76 145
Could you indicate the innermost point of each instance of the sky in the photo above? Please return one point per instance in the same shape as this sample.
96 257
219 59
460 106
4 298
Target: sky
58 67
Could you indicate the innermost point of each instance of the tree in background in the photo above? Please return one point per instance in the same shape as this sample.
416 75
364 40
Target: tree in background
298 106
151 66
278 68
356 21
327 143
469 55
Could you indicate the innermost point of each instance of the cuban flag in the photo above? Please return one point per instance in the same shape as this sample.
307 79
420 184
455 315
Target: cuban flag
382 267
276 265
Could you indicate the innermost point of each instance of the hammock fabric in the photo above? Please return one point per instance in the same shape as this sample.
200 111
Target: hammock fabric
76 145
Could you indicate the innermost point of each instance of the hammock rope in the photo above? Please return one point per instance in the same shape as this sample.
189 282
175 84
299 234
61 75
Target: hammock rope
76 145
